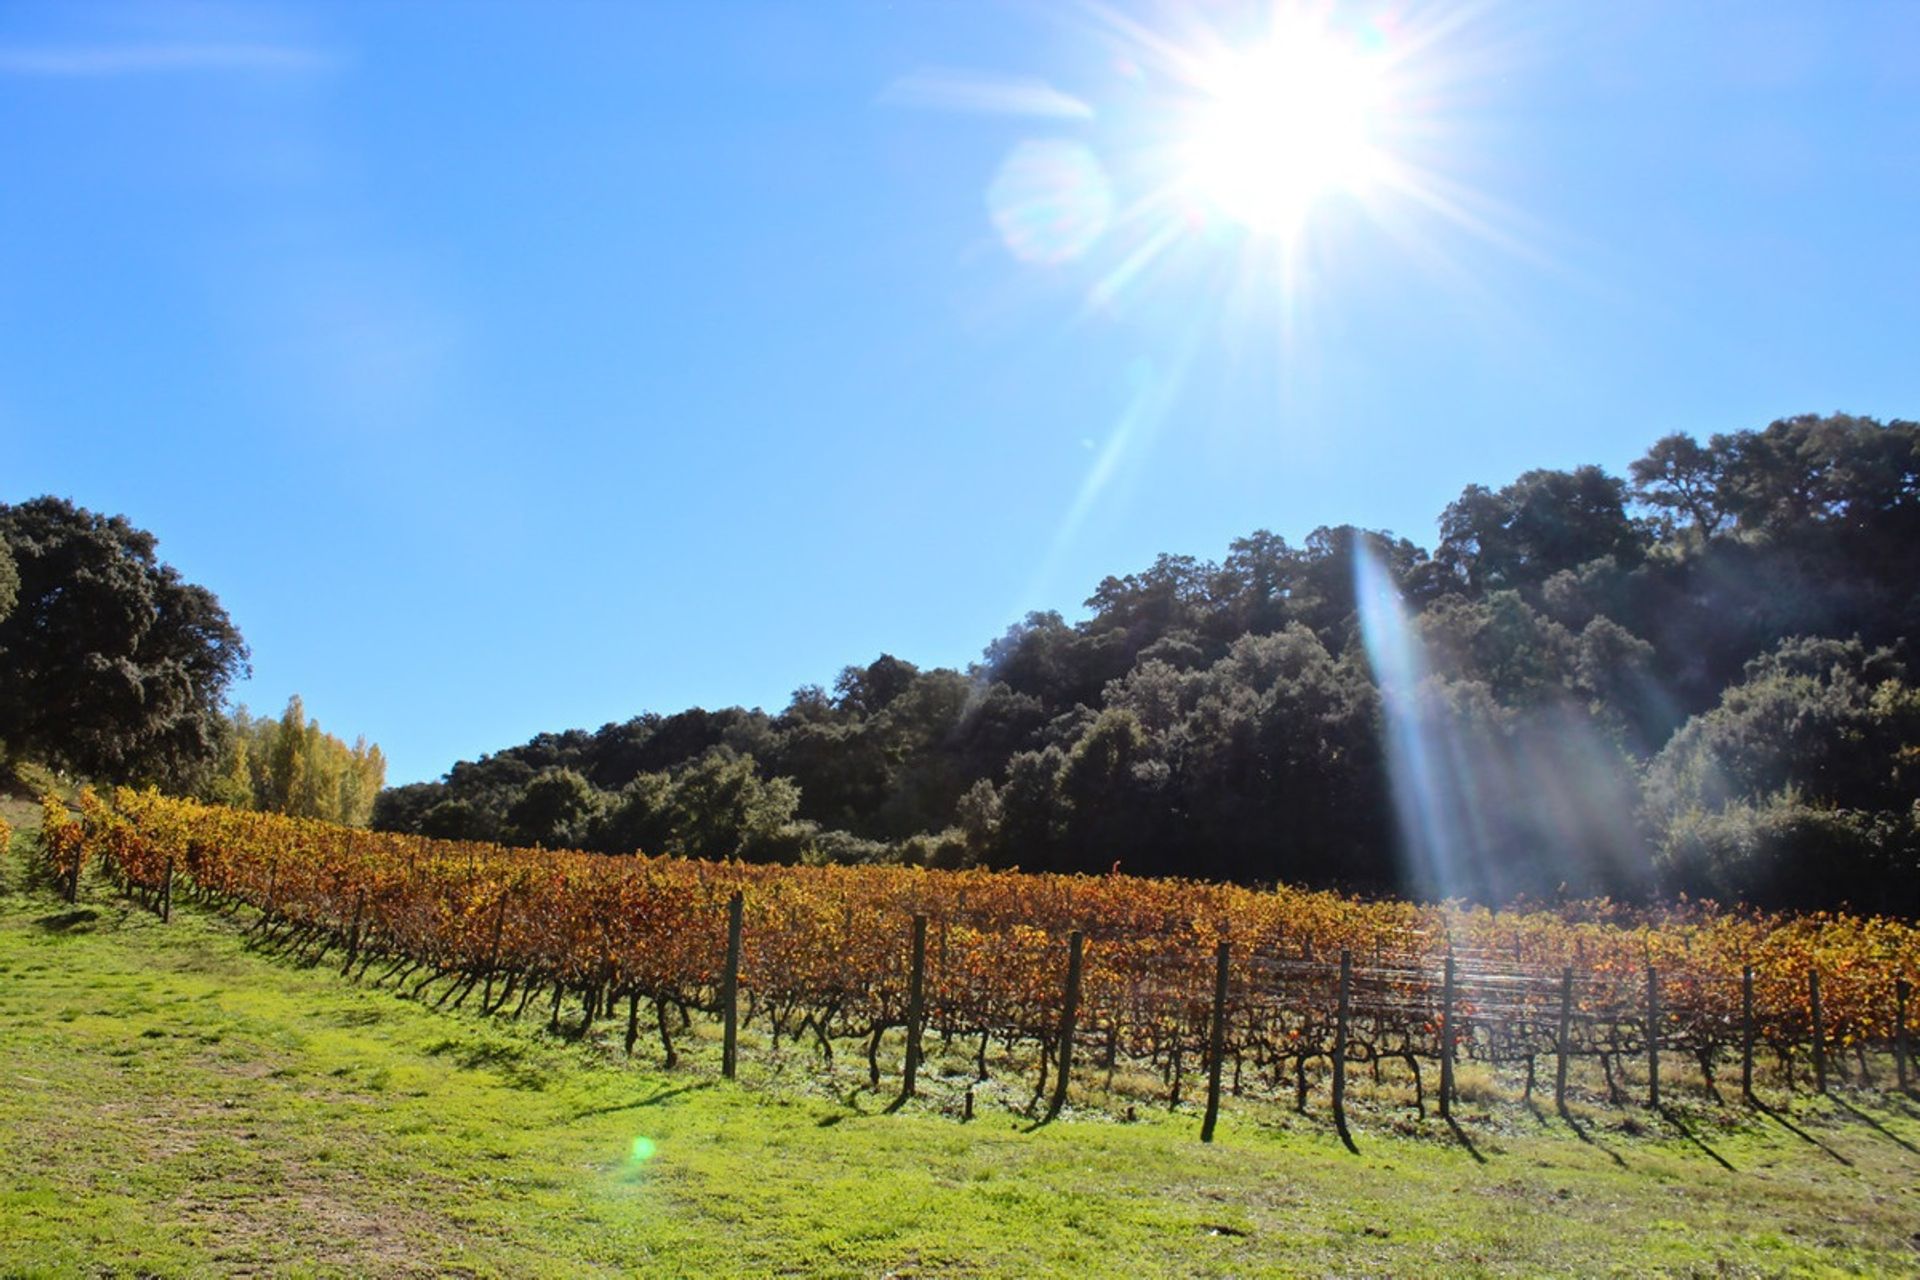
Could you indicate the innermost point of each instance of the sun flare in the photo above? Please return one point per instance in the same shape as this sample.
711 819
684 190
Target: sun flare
1279 127
1247 150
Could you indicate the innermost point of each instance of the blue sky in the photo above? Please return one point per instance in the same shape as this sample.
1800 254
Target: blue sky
509 368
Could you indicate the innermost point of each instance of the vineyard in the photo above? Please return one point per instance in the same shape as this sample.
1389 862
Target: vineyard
1200 986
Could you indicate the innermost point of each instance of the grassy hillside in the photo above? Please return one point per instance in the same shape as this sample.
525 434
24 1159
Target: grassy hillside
178 1104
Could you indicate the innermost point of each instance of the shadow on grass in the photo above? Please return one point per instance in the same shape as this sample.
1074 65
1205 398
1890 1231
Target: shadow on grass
854 1111
1679 1122
67 921
1873 1124
1465 1141
1579 1131
653 1100
1903 1103
507 1060
1796 1130
1044 1119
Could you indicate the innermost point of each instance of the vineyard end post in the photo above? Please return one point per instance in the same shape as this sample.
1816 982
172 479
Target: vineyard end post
1561 1046
1653 1038
730 989
1746 1033
1216 1039
1902 991
1446 1041
353 933
1069 1010
1342 1009
916 1006
166 893
1819 1032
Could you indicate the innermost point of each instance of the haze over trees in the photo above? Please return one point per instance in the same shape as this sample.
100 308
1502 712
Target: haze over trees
1695 678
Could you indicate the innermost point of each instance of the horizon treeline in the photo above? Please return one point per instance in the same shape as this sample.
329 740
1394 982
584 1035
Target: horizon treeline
1694 678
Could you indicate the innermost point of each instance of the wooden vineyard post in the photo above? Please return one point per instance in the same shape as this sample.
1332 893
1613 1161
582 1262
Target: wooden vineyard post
353 933
1341 1011
1068 1012
1446 1041
1819 1032
73 872
166 893
730 990
1653 1038
1561 1046
493 954
1216 1039
916 1006
1902 989
1746 1033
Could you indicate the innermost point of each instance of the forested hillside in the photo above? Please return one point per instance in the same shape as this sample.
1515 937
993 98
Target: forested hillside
1695 678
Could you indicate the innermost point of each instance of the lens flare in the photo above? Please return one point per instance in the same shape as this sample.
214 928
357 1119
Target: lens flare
1492 800
1417 756
1242 153
642 1150
1050 201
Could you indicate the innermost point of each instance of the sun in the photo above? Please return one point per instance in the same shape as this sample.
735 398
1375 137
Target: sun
1247 148
1276 128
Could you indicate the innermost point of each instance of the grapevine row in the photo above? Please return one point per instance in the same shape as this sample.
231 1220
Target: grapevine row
824 955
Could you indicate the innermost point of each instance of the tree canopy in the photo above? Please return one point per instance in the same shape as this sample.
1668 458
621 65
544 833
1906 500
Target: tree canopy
290 765
111 664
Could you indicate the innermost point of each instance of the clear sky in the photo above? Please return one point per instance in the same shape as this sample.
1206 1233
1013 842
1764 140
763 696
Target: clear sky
517 367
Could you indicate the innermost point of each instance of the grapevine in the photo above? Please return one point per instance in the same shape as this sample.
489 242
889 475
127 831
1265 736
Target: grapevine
824 955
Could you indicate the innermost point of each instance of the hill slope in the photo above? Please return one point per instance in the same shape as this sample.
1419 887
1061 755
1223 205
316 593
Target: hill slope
178 1104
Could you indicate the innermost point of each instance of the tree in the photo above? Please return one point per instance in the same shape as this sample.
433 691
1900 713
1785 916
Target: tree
1843 475
867 690
556 810
1522 656
1798 787
1167 597
1542 523
1105 783
639 817
1032 813
292 766
9 582
1252 588
1832 719
1323 596
1679 475
723 808
111 664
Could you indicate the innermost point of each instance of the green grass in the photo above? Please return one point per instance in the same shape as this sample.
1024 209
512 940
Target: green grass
172 1103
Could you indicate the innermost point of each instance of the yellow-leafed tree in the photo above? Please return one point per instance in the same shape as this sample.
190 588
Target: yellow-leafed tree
291 765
